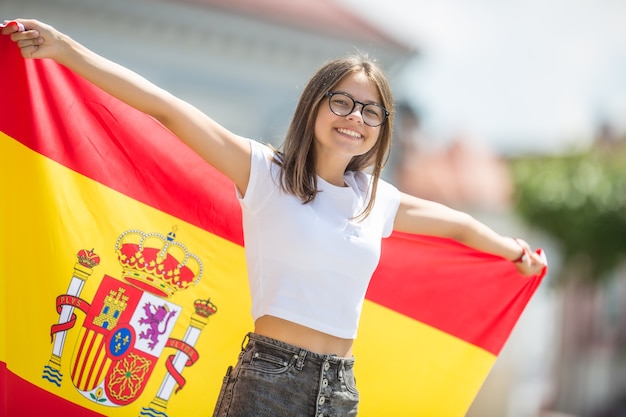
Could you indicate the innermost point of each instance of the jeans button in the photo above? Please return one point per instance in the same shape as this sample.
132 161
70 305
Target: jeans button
322 400
324 382
326 366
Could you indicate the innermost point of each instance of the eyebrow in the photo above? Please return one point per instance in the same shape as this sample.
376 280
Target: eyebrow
353 98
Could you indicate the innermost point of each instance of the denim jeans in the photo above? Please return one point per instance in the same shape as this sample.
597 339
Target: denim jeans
274 379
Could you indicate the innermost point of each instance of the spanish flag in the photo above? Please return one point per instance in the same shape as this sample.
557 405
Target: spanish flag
124 289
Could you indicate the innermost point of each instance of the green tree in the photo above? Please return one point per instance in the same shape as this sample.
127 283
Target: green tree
580 200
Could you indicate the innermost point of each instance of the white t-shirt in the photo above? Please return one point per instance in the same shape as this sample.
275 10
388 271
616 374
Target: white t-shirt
311 263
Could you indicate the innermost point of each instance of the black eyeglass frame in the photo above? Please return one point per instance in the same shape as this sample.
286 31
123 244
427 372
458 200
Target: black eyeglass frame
330 94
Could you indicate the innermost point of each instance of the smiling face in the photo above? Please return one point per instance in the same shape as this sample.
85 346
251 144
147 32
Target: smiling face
321 144
339 138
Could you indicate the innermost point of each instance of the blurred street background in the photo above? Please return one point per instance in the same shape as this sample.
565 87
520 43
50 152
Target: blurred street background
514 111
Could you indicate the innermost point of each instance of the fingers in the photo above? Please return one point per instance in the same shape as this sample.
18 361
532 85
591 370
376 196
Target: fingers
10 26
20 29
28 41
27 38
28 48
7 29
534 264
36 40
20 34
538 262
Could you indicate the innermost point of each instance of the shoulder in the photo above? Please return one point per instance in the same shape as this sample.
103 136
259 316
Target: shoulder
261 149
264 174
264 157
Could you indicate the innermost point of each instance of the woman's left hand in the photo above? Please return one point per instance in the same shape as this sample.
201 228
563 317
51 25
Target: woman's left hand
531 263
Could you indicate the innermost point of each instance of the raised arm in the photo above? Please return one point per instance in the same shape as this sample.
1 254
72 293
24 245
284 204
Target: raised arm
425 217
226 151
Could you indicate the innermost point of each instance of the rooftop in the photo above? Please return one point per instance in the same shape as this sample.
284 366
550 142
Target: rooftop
322 16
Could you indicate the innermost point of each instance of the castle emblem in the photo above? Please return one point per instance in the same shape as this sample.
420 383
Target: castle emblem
129 323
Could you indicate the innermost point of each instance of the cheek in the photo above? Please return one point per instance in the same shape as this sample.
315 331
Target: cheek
374 138
322 123
317 129
373 142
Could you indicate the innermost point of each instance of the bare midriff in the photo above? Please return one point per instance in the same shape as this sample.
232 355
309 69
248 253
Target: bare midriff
302 336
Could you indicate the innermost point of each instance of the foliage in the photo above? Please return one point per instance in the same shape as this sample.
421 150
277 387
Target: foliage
580 200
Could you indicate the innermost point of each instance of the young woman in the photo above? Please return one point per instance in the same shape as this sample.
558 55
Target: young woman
314 214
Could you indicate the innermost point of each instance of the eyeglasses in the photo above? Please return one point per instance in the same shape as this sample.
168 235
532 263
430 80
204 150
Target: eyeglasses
342 105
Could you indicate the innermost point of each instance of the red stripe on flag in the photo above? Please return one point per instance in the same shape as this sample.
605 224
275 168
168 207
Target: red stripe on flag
92 133
27 400
472 295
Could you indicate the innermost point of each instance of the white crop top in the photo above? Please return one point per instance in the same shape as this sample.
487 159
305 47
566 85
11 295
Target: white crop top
310 263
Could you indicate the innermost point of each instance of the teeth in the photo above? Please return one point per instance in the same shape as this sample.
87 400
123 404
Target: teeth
349 132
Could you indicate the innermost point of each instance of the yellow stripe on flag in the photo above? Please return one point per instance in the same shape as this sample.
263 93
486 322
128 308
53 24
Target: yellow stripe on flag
414 369
49 223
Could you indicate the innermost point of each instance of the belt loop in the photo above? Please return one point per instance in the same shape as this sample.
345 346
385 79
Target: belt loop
301 358
245 341
341 370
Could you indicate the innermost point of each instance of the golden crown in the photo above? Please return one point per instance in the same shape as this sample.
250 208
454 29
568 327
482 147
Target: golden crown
88 258
156 263
205 308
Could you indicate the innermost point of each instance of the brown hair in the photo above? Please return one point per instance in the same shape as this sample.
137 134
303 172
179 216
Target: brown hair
297 159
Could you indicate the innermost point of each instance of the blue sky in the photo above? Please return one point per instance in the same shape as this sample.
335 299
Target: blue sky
522 76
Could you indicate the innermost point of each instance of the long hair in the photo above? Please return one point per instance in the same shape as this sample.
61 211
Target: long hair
297 159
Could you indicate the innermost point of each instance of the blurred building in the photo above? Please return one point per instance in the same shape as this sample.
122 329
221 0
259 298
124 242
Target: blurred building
244 62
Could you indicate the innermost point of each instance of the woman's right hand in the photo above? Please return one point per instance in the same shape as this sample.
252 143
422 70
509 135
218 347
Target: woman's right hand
37 40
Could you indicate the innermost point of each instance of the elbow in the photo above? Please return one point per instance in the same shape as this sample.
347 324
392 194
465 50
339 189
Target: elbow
159 111
160 117
164 108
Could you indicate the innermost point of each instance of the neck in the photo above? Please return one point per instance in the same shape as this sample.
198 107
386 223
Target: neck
338 181
332 171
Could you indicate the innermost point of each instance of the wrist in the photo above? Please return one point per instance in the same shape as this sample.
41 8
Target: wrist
66 50
523 255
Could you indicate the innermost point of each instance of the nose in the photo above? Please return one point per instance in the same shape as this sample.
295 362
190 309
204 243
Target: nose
356 112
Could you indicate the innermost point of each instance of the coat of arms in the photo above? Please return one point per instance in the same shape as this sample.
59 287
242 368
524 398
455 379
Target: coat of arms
129 322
